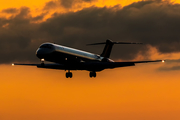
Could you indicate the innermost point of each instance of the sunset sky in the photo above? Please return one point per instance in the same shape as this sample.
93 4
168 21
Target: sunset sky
142 92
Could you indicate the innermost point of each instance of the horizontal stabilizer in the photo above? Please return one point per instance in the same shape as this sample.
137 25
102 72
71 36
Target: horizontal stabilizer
108 46
115 43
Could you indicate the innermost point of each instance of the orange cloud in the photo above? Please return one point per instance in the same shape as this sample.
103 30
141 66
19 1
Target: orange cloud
153 53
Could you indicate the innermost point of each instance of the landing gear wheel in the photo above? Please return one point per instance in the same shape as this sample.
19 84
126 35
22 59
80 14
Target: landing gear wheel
92 74
69 75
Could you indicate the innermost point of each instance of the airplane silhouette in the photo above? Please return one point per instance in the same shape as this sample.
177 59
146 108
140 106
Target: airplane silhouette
66 58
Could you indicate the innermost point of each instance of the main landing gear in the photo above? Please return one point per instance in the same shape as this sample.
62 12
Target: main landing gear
92 74
69 74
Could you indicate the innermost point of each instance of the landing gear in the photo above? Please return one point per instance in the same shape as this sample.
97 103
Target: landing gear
92 74
42 62
69 74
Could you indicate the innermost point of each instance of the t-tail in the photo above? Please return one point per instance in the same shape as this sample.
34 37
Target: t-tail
108 47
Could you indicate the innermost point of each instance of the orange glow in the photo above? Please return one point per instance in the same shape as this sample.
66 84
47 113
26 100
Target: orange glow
40 3
124 93
142 92
153 54
19 3
36 7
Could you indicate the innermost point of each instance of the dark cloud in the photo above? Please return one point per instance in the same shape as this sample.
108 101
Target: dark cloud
39 17
17 38
50 5
151 22
64 3
70 3
10 10
67 3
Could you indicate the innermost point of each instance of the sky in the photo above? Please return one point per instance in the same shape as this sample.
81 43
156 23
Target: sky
145 91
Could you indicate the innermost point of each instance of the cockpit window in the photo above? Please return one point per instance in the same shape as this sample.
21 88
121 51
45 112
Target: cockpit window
46 46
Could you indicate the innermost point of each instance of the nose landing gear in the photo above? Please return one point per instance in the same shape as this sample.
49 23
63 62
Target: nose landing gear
42 62
92 74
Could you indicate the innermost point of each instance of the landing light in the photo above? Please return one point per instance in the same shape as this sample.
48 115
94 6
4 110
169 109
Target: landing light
42 60
12 64
163 61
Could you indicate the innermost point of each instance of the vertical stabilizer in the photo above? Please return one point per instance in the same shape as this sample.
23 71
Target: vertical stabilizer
107 49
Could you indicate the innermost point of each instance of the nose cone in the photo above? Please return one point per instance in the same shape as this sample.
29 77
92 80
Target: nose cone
43 52
40 53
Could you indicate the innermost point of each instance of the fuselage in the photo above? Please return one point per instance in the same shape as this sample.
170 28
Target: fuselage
66 58
62 54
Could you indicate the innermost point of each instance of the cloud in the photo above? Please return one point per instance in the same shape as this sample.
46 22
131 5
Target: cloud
152 22
10 10
65 3
50 5
70 3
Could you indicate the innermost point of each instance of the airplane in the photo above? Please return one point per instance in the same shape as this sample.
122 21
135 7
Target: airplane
66 58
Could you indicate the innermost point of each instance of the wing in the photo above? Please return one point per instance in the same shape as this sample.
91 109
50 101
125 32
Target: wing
131 63
148 61
90 66
13 64
111 65
49 66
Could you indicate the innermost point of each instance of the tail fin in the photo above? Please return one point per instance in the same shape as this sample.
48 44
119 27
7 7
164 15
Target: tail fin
108 47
